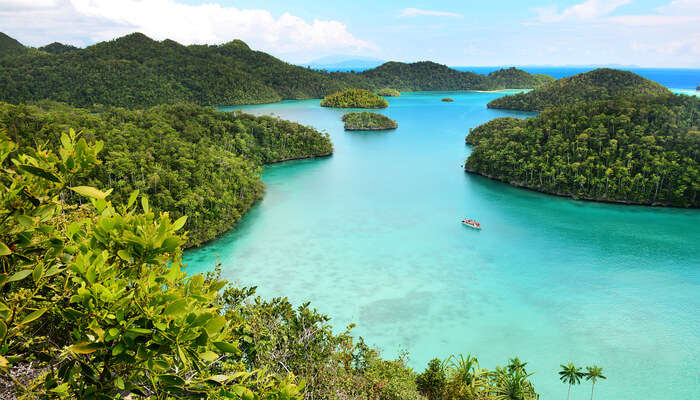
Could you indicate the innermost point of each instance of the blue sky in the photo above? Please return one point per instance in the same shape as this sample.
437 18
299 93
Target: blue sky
650 33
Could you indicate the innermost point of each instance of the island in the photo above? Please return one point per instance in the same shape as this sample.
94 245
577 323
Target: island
368 121
448 99
698 88
354 98
388 92
599 84
633 150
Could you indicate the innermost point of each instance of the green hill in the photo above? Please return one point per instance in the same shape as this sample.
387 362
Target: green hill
188 160
638 150
58 48
354 98
600 84
135 71
368 121
10 46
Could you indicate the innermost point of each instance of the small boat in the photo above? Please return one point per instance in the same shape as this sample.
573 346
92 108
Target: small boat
471 223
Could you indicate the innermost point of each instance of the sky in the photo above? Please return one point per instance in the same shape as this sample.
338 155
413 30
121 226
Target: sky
647 33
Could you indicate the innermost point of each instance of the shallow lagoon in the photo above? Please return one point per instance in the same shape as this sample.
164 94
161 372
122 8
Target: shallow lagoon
372 236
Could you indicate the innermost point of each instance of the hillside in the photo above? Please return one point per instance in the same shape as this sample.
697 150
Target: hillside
10 46
189 160
638 150
600 84
354 98
135 71
58 48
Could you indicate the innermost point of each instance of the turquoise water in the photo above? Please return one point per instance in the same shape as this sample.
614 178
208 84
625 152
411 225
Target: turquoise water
371 235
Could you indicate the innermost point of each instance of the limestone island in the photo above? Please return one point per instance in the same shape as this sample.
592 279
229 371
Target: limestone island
354 98
448 99
368 121
388 92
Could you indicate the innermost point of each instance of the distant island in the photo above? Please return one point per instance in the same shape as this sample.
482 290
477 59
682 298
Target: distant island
135 71
368 121
599 84
634 150
448 99
388 92
354 98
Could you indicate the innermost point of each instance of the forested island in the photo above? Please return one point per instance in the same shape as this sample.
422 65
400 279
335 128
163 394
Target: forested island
447 99
188 160
388 92
135 71
636 150
354 98
368 121
599 84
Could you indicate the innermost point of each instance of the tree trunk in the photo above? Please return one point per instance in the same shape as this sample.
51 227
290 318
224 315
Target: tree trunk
568 396
592 386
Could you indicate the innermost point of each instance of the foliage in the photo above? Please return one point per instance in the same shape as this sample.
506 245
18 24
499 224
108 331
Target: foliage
97 296
643 150
571 375
448 99
368 121
463 379
388 92
593 373
354 98
188 160
513 78
135 72
600 84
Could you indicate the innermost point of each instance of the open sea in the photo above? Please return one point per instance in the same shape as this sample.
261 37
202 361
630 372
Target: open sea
372 236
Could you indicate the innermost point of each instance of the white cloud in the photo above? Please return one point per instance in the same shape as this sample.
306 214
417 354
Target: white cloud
415 12
95 20
26 4
587 10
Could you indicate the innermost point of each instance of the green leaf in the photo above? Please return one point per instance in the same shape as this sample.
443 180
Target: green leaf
218 378
132 198
226 347
33 316
24 220
176 308
179 223
19 275
119 383
40 173
214 325
84 348
3 330
144 204
171 380
60 389
208 356
37 273
89 191
4 250
139 331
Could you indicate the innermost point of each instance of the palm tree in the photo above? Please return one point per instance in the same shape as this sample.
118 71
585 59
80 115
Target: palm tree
594 373
570 374
514 364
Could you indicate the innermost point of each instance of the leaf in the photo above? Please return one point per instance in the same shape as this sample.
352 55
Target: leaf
226 347
19 275
171 380
40 173
132 198
84 348
24 220
37 273
206 356
3 362
89 191
4 250
60 389
33 316
3 330
176 308
139 331
214 325
179 223
218 378
144 204
119 383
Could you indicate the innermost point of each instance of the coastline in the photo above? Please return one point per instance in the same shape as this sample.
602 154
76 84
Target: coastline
573 197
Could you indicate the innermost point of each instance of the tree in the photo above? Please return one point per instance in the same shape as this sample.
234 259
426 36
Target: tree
593 374
570 374
431 383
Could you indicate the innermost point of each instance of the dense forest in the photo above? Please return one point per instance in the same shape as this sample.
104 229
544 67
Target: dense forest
599 84
354 98
97 303
368 121
188 160
135 71
428 75
641 150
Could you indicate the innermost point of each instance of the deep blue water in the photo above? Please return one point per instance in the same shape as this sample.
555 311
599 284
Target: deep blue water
372 236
